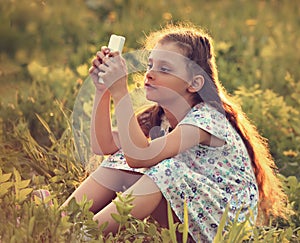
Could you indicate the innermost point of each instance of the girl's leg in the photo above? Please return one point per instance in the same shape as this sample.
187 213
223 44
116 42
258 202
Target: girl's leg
147 197
100 195
101 186
160 214
148 201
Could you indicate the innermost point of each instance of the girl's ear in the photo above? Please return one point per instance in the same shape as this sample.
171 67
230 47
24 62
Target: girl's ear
197 84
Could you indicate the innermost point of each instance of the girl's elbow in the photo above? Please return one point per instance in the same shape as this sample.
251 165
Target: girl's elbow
132 163
100 151
97 151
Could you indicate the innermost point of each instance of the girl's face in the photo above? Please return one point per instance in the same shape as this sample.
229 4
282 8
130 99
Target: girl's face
166 79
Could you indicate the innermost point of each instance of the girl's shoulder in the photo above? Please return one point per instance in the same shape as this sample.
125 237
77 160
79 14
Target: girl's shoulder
210 120
205 111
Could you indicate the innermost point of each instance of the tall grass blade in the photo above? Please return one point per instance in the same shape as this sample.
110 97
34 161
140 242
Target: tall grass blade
219 236
46 126
172 226
185 223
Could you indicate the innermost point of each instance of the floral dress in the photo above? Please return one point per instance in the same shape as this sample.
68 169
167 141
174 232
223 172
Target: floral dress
207 178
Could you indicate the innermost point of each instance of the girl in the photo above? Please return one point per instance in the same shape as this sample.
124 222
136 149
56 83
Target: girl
193 145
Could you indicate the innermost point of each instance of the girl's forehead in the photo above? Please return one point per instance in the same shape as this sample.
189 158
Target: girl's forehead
170 56
168 51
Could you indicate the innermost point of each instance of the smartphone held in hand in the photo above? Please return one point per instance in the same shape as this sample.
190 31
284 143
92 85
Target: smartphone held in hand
116 43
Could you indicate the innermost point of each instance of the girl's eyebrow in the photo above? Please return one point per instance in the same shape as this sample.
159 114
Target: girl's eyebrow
161 61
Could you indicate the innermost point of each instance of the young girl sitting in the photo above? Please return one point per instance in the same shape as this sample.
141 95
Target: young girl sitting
195 144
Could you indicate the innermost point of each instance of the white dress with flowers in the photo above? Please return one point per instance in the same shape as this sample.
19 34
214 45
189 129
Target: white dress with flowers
208 178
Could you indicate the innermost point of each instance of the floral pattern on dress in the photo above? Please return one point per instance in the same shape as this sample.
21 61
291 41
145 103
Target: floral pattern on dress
208 178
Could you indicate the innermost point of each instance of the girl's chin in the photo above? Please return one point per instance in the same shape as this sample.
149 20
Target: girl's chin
150 98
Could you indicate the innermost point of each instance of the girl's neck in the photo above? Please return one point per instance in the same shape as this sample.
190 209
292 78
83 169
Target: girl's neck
174 116
177 109
171 118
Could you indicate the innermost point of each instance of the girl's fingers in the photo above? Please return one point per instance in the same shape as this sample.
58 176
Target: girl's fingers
104 56
113 57
100 55
95 71
100 60
103 67
91 69
94 74
108 61
96 63
107 65
114 53
105 50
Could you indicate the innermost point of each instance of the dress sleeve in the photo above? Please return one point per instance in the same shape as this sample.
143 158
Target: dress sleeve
210 120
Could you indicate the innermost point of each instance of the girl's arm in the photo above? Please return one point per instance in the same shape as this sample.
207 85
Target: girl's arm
138 150
103 139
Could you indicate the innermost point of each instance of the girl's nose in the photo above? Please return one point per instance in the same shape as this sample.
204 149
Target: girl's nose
150 74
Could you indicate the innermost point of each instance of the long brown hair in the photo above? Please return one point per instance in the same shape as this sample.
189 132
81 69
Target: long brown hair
197 46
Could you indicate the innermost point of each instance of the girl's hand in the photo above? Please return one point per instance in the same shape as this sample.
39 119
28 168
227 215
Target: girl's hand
95 70
113 72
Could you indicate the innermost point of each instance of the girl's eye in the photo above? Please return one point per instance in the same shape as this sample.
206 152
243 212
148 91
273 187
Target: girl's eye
160 69
149 66
165 69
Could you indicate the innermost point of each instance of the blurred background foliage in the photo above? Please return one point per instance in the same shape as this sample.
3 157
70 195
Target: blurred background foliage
46 48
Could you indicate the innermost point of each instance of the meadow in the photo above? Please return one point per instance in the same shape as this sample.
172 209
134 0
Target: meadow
45 104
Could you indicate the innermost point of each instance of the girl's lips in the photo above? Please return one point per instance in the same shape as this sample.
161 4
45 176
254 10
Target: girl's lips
148 86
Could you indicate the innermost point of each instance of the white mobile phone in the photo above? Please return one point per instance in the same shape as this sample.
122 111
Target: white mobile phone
116 43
